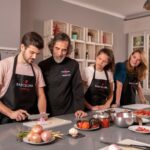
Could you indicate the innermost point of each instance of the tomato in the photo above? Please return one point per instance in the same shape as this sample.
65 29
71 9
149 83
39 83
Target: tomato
79 124
142 129
85 125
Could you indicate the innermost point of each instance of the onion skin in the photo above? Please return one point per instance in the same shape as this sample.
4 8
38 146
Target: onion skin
36 138
46 136
37 129
29 135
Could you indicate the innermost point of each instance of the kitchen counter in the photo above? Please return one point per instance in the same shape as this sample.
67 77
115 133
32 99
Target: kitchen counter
91 141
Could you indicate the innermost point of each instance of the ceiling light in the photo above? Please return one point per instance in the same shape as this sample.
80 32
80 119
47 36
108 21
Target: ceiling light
147 5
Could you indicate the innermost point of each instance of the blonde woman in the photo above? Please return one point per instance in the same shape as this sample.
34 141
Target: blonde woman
128 77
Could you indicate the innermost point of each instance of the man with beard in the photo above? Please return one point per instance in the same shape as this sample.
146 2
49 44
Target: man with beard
64 90
21 82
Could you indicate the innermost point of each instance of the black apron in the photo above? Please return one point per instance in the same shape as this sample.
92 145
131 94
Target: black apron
98 91
21 94
130 86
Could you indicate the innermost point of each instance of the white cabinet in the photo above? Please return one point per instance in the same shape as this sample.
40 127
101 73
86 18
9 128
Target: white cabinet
86 42
141 40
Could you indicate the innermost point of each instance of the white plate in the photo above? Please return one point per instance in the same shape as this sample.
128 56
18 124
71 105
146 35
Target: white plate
144 120
134 128
127 141
42 143
91 129
136 106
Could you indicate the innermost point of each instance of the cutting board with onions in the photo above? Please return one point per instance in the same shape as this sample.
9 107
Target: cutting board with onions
136 106
127 141
50 123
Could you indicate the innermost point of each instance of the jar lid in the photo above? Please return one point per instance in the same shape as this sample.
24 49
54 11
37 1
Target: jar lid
104 115
101 115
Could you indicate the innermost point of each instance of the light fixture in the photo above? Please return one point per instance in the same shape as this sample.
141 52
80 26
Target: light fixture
147 5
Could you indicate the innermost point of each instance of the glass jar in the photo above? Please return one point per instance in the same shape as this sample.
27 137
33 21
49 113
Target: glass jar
104 120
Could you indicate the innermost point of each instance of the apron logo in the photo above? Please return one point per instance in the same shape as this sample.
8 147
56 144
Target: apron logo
65 73
133 83
24 85
101 86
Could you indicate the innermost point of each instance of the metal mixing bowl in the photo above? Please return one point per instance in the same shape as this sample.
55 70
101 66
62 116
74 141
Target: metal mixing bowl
124 119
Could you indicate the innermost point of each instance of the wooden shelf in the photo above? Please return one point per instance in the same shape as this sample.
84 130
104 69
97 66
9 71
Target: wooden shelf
86 42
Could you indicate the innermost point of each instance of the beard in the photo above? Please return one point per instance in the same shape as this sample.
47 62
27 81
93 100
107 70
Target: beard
29 60
59 60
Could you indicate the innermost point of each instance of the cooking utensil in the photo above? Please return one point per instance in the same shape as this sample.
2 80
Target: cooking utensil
143 147
124 119
37 116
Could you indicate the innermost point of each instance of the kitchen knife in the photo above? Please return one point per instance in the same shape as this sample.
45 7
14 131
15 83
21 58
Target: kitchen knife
37 116
143 147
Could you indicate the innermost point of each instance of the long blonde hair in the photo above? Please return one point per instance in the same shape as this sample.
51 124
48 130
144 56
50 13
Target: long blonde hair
141 69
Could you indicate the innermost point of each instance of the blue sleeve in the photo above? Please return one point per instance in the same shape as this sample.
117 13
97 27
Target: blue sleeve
120 72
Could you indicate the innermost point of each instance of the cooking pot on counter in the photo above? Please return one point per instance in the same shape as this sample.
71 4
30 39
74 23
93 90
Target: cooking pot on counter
124 119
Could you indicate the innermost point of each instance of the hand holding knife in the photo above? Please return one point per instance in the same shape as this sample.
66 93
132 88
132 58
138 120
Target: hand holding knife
38 116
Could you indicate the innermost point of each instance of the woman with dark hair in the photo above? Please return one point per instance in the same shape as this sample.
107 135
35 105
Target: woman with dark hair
128 77
98 80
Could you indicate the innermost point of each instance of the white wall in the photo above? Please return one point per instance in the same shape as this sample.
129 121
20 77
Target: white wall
136 25
34 11
10 12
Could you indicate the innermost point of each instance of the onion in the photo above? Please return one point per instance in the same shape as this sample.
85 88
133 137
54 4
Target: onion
46 135
37 129
36 138
73 132
29 135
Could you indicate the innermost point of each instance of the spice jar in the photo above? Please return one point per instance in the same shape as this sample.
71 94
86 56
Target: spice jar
104 120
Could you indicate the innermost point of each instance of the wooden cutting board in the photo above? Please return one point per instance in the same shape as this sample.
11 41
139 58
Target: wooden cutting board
50 123
127 141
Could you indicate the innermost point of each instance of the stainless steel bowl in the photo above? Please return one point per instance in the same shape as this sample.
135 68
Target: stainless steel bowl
124 119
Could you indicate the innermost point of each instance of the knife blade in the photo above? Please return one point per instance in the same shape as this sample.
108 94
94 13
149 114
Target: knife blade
37 116
143 147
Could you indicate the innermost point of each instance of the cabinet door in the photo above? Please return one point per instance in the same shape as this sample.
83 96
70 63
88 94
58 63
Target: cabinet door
136 41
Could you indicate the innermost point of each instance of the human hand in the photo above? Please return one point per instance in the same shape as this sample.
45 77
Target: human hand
95 107
102 107
19 115
145 101
114 105
80 114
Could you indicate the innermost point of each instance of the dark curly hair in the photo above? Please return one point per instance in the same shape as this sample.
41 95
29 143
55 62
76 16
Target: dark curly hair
60 37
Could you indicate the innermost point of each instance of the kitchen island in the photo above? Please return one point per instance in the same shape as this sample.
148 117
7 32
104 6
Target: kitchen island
91 141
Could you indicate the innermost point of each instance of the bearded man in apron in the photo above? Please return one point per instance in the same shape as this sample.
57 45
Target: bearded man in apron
21 82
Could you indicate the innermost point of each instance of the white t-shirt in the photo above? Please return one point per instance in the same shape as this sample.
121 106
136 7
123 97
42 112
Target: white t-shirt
6 69
88 76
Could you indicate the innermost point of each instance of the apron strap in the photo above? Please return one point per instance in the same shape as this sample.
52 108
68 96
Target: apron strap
106 73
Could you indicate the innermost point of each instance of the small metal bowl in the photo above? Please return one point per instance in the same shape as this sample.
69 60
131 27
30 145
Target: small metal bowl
124 119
